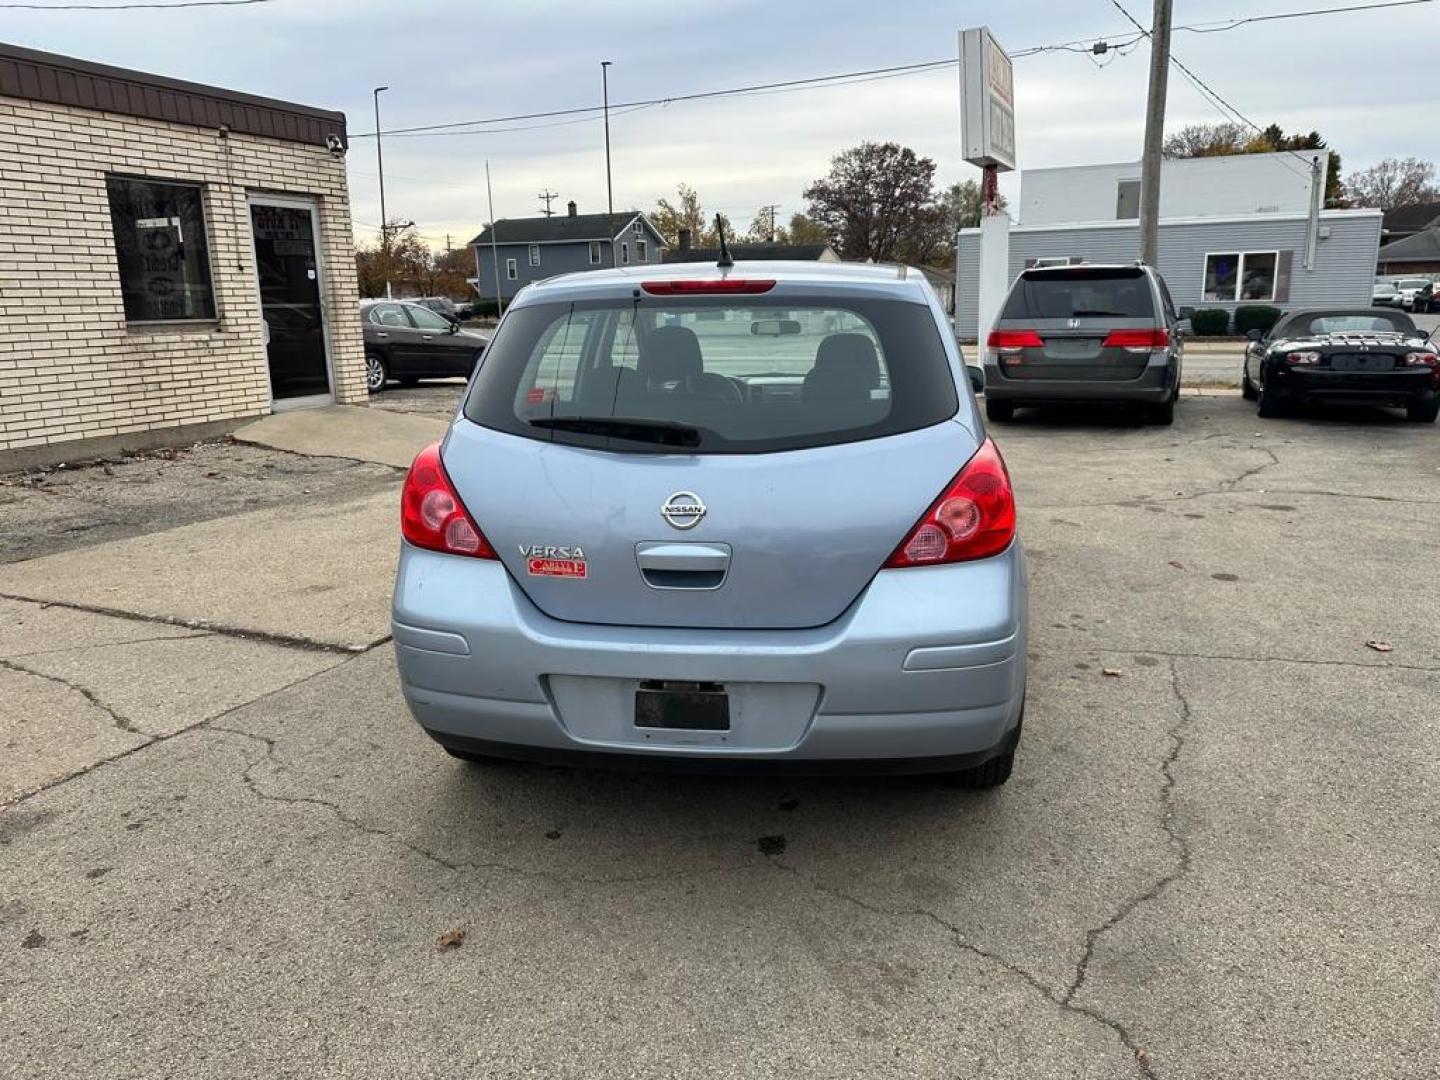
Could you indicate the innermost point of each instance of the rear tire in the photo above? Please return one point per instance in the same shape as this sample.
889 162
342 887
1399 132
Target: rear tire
994 772
1163 414
377 373
1272 404
467 756
1423 412
1002 412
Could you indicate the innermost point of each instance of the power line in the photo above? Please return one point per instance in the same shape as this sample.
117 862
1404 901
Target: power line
1211 94
1086 46
134 6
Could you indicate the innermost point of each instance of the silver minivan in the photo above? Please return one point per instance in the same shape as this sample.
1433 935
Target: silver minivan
1086 333
710 516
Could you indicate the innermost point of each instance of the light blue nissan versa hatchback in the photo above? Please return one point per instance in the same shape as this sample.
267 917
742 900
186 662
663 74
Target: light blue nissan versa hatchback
718 515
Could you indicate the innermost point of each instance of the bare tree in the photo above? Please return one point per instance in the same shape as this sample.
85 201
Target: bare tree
878 203
1392 183
1206 140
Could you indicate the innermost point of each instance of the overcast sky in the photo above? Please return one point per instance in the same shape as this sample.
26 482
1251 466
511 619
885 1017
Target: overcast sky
444 60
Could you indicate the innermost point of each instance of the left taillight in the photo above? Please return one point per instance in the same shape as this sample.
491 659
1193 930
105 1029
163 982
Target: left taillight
431 513
973 518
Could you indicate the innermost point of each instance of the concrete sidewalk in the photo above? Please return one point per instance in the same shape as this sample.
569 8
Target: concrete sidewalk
346 431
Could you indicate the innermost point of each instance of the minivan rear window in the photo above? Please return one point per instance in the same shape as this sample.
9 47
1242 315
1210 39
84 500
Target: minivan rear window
1079 293
720 374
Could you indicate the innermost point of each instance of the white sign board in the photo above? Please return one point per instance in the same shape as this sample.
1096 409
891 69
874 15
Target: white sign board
987 101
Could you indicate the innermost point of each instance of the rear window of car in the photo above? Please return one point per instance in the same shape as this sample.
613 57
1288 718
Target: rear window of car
1353 323
1079 293
723 374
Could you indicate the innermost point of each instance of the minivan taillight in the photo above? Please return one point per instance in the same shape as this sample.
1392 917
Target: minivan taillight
1012 341
973 518
431 513
1138 340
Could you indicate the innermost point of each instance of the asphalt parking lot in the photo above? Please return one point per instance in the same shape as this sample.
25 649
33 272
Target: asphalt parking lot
226 851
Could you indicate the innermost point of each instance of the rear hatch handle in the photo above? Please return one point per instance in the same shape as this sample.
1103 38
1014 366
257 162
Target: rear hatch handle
669 565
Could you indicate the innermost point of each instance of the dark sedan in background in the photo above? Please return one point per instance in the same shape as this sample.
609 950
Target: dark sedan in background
1362 355
407 342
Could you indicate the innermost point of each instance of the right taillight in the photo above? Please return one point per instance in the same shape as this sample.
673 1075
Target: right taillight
1138 340
1422 359
431 513
973 518
1012 341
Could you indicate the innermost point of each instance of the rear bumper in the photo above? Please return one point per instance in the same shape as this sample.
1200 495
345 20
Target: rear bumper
926 670
1380 387
1154 385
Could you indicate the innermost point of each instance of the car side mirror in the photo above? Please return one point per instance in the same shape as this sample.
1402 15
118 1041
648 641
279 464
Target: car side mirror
977 378
1255 335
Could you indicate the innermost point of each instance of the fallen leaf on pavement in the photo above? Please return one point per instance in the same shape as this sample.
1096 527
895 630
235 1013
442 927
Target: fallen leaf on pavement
450 939
1379 646
1112 672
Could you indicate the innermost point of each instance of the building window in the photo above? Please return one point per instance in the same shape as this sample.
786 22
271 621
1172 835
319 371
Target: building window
1051 260
161 248
1127 200
1240 275
534 254
594 253
638 228
510 270
640 251
625 253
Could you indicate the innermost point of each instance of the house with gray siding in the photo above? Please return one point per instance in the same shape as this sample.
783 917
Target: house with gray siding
531 249
1211 262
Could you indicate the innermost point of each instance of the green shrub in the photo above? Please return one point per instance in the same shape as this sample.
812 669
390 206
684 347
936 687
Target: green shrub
483 309
1210 322
1255 317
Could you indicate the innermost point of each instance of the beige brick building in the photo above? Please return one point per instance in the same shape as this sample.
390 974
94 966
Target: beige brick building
174 259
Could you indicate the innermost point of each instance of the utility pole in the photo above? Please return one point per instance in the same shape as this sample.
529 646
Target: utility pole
771 207
609 191
549 197
380 167
1154 134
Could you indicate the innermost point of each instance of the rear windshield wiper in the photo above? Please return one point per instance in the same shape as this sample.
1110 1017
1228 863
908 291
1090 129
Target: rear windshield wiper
664 432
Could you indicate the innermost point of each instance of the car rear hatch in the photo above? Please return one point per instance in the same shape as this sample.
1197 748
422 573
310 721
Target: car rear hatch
1078 324
700 461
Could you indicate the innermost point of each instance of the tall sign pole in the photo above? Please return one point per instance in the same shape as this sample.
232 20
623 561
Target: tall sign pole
987 138
494 243
1154 134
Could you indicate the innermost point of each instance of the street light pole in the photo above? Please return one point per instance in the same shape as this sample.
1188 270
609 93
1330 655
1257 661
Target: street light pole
609 191
380 167
1154 134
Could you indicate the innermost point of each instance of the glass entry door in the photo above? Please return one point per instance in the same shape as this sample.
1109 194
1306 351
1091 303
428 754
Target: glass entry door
288 267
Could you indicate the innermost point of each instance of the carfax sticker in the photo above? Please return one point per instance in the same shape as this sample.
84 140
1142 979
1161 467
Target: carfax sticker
571 568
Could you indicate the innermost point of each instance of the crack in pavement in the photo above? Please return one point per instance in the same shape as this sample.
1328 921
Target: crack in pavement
1063 1002
191 636
155 740
458 866
1240 658
1227 486
283 640
1177 841
84 691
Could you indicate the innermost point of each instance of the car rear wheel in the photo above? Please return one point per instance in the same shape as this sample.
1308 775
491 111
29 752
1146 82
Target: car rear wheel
1423 412
994 772
1002 412
1271 403
376 373
1163 414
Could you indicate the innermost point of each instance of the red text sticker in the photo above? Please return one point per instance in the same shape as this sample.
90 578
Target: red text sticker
572 568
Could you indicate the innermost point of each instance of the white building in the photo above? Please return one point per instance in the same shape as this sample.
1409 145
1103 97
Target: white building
1233 230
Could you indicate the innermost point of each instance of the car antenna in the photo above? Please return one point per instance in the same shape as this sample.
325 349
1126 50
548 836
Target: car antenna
725 261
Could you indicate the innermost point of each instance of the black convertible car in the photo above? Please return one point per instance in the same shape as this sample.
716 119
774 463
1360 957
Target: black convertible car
1362 355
